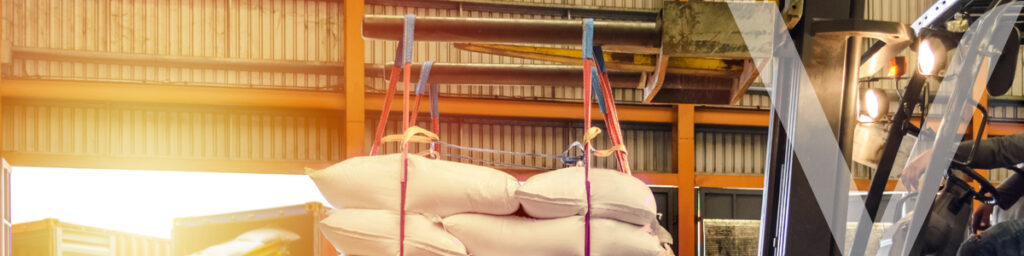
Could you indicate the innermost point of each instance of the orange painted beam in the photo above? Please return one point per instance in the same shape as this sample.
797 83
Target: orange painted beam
864 184
685 168
730 181
355 87
1004 128
173 94
737 181
731 117
649 178
253 97
531 109
162 163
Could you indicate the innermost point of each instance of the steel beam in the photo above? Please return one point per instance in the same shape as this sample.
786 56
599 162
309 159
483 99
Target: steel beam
696 87
355 87
276 98
172 94
634 62
492 30
557 10
685 171
533 109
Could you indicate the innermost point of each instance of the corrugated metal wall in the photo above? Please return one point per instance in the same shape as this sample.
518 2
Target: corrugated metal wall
79 128
286 31
999 175
730 151
126 244
649 145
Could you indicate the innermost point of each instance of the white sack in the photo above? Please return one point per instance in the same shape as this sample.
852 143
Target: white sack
613 195
375 232
231 248
488 235
435 186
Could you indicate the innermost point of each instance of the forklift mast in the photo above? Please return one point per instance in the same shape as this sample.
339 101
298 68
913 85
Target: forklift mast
807 204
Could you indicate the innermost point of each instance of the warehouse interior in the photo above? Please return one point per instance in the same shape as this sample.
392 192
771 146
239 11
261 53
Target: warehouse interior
206 118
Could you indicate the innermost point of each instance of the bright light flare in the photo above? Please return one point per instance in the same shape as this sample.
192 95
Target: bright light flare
874 105
931 56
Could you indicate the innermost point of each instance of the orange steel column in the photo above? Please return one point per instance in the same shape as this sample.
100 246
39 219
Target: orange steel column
355 88
975 127
685 169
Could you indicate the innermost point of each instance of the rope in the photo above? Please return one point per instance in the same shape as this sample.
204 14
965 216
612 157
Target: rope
458 156
419 135
565 159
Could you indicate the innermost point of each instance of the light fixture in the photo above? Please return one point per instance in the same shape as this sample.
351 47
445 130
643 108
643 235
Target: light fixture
931 56
873 105
897 67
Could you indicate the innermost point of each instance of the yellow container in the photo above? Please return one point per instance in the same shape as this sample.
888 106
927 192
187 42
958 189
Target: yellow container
51 237
193 234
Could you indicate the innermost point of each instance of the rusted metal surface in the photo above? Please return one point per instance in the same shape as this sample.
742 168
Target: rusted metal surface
708 29
614 61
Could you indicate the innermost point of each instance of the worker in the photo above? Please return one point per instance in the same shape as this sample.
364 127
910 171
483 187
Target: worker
998 152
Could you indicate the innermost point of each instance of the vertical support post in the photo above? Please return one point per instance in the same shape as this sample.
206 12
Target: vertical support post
588 59
976 119
685 169
355 87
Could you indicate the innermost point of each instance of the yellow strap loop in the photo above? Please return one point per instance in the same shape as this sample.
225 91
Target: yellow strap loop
610 151
413 134
592 133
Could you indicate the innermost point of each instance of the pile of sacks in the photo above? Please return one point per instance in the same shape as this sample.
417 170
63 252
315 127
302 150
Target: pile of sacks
461 209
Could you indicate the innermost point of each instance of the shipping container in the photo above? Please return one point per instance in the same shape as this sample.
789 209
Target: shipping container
193 234
5 196
51 237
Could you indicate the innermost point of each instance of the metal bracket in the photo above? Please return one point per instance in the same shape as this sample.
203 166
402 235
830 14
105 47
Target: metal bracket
893 36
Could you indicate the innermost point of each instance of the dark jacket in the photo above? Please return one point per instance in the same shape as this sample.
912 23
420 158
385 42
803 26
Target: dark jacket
999 152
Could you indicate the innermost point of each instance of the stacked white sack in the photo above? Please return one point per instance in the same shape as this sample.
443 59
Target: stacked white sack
375 232
613 195
435 187
488 235
367 192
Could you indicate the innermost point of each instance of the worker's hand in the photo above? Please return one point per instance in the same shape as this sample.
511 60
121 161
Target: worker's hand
982 218
912 173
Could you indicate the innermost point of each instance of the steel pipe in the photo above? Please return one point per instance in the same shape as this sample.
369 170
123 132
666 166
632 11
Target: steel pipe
485 30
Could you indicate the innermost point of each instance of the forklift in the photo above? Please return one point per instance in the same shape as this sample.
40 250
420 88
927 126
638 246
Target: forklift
965 48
